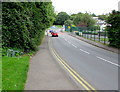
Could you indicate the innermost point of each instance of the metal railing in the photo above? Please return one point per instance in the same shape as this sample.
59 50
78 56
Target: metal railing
13 53
92 33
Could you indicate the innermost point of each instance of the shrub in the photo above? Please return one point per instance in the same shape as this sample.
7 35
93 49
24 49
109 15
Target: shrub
114 29
24 23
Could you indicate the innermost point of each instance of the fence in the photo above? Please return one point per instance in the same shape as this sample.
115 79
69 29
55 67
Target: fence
13 53
92 33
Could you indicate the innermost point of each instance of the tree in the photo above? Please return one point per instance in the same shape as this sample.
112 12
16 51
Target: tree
68 22
102 17
84 20
114 29
93 15
72 17
24 23
61 18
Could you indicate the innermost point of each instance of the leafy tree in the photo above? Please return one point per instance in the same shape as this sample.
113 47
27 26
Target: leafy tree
114 29
93 15
102 17
72 17
61 18
24 23
68 22
84 20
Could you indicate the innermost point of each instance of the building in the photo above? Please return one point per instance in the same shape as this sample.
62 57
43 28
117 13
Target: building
101 23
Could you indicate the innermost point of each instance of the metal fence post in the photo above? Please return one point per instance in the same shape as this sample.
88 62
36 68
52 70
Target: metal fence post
99 36
94 34
105 37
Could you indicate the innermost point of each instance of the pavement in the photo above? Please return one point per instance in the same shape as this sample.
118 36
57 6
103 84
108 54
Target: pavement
115 50
45 73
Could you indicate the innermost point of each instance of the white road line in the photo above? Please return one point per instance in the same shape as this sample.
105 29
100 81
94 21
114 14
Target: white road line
69 42
74 45
85 51
65 39
108 61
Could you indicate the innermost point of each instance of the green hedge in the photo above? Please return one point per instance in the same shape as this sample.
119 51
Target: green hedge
24 23
114 29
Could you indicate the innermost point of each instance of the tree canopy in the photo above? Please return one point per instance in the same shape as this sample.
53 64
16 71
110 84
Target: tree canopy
68 22
114 29
102 17
24 23
61 18
83 20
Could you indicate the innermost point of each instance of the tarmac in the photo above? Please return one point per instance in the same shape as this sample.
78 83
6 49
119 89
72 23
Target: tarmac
115 50
45 73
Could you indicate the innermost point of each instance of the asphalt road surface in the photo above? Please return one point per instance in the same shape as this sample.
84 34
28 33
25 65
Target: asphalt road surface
97 66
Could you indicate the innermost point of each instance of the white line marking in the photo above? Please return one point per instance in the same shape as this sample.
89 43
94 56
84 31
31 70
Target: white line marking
108 61
74 45
65 39
85 51
69 42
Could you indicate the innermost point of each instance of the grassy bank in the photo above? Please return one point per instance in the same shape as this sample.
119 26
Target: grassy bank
14 72
59 26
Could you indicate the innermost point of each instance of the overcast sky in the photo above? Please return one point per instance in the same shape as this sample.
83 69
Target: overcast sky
94 6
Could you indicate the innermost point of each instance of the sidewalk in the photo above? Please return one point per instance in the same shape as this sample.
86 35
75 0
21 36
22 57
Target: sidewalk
96 44
46 74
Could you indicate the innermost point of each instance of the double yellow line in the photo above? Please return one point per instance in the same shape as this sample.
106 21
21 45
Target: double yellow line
75 75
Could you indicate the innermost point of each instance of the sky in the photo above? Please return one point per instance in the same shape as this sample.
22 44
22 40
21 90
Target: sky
97 7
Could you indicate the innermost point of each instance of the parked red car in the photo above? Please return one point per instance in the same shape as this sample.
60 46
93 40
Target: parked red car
54 34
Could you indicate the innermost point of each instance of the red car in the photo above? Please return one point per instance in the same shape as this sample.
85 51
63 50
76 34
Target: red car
54 34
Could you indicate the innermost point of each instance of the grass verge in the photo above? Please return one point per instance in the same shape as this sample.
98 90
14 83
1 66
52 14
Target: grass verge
59 26
14 72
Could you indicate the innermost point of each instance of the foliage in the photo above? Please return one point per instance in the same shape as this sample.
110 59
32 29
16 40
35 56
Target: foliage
61 18
72 17
14 72
114 29
59 26
83 20
93 15
68 22
24 23
102 17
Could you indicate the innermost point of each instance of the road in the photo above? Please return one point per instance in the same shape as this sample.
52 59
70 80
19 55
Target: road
97 66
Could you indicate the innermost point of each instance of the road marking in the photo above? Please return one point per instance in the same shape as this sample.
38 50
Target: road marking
65 39
84 51
69 42
74 45
108 61
75 75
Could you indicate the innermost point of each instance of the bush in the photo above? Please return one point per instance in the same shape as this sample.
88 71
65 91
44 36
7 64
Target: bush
24 23
114 29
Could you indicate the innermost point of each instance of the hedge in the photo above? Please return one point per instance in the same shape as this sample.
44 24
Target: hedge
114 29
24 23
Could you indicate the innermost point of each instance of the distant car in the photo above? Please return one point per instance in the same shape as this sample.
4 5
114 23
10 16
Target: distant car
54 34
51 31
